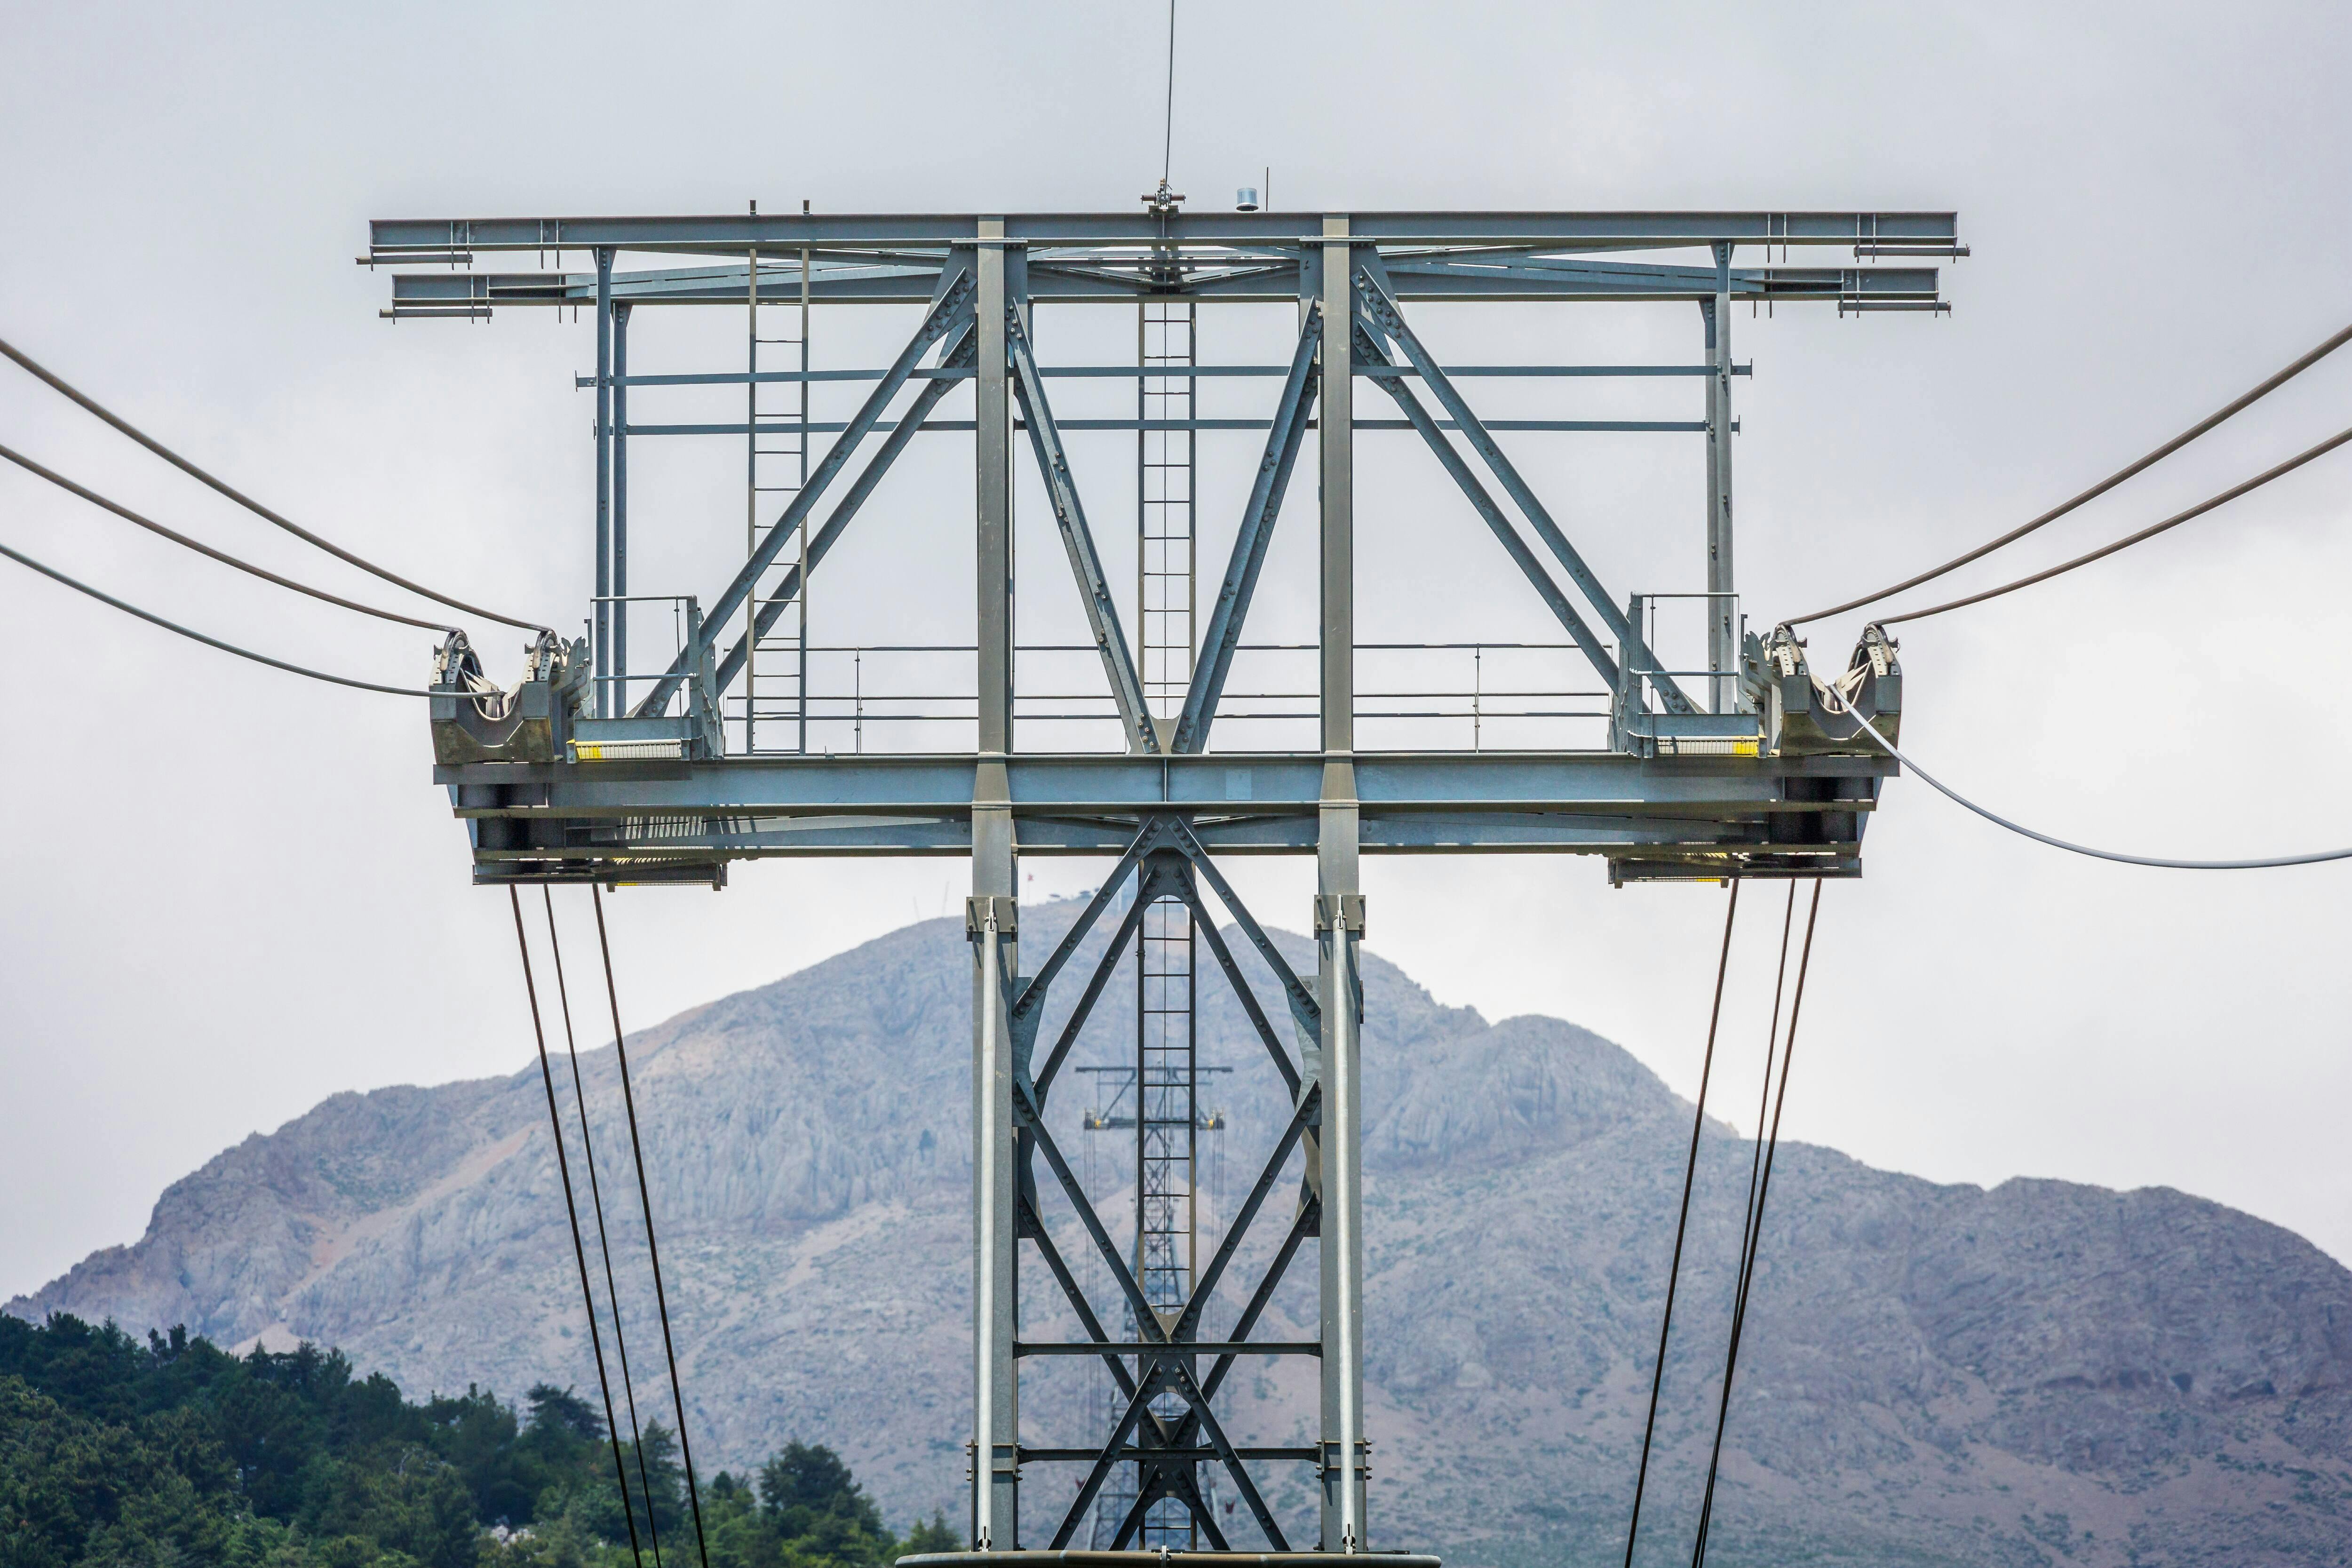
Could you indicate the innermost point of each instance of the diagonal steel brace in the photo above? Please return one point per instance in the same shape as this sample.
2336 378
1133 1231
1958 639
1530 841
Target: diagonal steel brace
951 304
1387 319
1283 444
1582 635
1078 541
960 351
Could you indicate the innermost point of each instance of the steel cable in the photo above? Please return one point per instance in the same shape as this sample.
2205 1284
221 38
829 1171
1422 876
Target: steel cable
572 1213
105 598
1167 133
1839 705
604 1240
1682 1223
63 483
644 1197
2199 510
57 385
1752 1232
2101 488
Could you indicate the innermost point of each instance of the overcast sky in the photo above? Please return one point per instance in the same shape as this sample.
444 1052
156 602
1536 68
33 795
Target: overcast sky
231 892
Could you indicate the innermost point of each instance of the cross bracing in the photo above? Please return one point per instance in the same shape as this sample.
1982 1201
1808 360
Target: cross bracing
1200 738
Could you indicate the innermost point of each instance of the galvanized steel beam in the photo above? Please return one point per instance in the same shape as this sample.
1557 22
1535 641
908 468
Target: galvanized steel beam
734 233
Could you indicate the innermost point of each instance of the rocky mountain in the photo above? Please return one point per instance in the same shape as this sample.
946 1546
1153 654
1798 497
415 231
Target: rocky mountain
2038 1373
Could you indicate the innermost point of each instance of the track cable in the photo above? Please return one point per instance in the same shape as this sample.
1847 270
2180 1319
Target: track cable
2235 406
1762 1178
103 597
572 1213
90 406
1682 1222
223 556
2175 520
1839 705
604 1241
644 1197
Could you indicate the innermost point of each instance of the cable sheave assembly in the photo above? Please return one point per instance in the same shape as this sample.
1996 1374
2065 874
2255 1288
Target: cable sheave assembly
2101 488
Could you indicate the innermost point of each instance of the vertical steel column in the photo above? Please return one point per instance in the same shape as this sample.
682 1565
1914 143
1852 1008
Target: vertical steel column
800 682
751 491
600 661
1722 631
1338 920
621 507
995 1519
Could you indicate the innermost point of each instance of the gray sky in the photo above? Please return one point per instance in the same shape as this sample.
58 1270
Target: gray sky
232 893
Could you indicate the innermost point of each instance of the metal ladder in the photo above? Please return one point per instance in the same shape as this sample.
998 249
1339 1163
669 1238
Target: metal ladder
1167 1112
1164 474
775 468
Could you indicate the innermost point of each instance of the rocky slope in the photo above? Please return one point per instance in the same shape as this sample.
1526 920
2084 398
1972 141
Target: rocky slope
2042 1373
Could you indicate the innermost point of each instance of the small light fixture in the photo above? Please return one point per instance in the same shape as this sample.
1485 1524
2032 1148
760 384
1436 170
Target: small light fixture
1246 199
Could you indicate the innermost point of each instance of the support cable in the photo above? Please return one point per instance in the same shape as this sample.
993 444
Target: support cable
1841 705
58 386
105 598
644 1198
2199 510
1168 134
1682 1223
572 1213
604 1239
201 548
2101 488
1752 1236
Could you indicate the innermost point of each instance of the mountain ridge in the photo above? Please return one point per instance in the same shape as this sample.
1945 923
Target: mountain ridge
2035 1371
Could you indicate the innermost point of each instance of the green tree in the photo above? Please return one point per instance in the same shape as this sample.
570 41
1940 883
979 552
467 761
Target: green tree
935 1536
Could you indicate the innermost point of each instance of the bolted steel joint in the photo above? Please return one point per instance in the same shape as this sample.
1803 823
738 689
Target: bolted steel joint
980 908
1345 910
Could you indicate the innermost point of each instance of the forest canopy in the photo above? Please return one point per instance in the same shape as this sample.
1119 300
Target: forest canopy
174 1451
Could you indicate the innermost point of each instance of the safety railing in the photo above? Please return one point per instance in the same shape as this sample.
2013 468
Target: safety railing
1489 695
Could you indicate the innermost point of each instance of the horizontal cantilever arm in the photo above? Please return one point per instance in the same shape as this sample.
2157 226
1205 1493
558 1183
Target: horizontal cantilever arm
949 304
1373 297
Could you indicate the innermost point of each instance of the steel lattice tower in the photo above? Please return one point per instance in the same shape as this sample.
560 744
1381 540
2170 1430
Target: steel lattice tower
1720 764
